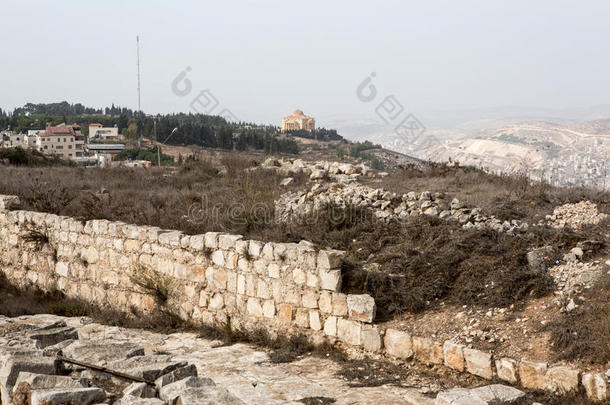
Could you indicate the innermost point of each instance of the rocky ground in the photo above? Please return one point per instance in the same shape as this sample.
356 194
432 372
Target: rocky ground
182 368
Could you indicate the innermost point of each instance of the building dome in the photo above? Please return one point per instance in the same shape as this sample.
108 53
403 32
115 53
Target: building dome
298 112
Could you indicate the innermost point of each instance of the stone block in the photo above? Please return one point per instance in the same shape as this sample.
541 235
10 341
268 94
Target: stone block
269 309
216 302
454 355
506 369
562 380
263 290
349 331
325 302
301 318
339 303
313 281
330 280
211 240
298 276
371 338
532 374
427 351
273 270
595 386
361 307
227 241
330 326
314 320
254 307
310 299
478 363
172 238
241 246
398 344
285 314
63 396
241 284
218 258
458 396
267 252
197 242
330 259
231 281
255 248
499 394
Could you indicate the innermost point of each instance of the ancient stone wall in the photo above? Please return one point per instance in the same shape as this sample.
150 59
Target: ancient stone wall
203 278
215 278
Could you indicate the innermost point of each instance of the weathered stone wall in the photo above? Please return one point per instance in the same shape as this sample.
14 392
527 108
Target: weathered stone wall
211 277
216 277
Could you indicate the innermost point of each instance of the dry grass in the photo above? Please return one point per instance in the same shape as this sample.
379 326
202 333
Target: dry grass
584 333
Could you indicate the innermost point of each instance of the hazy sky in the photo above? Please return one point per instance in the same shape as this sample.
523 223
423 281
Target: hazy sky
263 58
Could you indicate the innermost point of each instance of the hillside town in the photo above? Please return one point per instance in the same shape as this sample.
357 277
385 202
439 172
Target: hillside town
96 148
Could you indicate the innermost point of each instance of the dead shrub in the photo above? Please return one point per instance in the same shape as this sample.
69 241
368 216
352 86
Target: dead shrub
154 283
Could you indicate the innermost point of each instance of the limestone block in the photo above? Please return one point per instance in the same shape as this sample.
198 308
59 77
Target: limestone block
330 326
454 355
259 267
242 246
398 344
330 280
231 281
314 320
203 299
218 258
273 270
330 259
263 290
197 242
370 338
244 265
310 299
499 394
279 252
227 241
506 369
361 307
61 268
241 284
427 351
349 331
458 396
313 280
232 260
90 395
171 238
254 307
269 309
285 314
292 296
339 303
532 374
302 318
298 276
562 379
255 248
325 302
251 283
595 386
268 251
478 363
211 240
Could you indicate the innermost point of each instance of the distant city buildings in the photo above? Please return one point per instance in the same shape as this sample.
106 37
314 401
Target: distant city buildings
298 121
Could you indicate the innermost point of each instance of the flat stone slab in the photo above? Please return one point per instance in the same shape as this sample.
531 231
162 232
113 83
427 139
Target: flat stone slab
147 367
49 337
80 396
101 353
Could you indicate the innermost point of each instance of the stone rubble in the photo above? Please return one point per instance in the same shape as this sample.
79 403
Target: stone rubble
320 170
575 215
387 205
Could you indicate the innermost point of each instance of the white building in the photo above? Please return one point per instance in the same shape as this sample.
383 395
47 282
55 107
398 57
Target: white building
100 133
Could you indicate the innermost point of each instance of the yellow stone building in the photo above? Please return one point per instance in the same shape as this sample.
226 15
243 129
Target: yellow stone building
297 120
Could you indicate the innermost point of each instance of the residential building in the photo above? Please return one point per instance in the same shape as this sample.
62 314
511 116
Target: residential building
99 133
64 140
298 121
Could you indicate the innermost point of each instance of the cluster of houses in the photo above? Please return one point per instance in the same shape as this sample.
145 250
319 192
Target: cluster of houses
67 141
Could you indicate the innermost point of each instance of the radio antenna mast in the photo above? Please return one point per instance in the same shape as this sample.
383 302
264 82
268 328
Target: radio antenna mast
139 107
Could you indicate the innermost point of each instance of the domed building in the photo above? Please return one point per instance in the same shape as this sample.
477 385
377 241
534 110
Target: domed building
297 121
